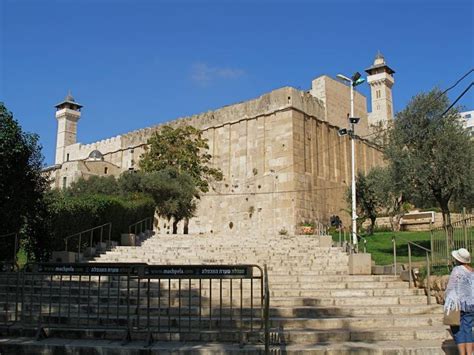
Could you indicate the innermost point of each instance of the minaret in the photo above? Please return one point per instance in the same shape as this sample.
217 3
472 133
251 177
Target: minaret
381 80
68 113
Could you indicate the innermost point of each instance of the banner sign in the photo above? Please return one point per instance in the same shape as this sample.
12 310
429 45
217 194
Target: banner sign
86 269
199 271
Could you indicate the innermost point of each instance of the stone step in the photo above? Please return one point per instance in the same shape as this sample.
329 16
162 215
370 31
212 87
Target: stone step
107 347
215 321
311 336
356 311
348 301
435 311
338 286
298 292
356 323
338 278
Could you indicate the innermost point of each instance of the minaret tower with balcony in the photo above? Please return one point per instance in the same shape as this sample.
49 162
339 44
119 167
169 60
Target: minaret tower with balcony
68 112
381 80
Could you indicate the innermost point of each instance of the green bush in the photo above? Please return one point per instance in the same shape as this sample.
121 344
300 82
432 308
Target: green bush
72 214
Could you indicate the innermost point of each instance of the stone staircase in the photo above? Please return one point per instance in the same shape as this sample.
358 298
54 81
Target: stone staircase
315 306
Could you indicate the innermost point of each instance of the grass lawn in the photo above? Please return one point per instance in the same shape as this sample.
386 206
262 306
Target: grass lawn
381 247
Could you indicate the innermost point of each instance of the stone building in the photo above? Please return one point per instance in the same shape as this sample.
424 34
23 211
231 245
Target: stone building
281 156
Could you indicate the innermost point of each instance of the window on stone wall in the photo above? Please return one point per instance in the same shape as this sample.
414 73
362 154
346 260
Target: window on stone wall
377 94
106 170
64 182
67 157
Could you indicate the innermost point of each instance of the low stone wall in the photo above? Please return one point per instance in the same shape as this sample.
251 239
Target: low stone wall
438 286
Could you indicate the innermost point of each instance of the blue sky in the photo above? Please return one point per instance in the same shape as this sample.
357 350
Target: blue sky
133 64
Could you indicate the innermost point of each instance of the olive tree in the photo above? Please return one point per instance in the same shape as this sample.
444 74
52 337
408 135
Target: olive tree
429 152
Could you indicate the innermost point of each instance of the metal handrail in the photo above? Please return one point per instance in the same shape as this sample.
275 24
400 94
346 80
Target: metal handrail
101 227
350 243
266 313
410 271
143 224
15 248
428 290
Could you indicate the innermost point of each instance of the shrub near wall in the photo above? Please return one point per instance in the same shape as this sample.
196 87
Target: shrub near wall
70 215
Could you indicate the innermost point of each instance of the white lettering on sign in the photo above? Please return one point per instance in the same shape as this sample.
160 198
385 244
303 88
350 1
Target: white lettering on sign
173 271
105 269
64 269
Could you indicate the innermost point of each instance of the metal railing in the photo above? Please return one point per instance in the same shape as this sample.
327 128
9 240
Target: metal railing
86 237
91 296
410 268
141 226
410 271
9 294
266 314
15 238
346 242
210 300
165 302
446 239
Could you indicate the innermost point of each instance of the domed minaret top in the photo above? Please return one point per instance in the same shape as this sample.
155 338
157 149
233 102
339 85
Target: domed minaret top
379 66
69 102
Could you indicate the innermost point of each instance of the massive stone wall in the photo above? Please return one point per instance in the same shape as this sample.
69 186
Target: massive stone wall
337 105
281 159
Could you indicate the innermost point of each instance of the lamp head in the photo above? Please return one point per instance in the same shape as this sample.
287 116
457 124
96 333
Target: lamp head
342 132
356 76
354 120
357 79
343 78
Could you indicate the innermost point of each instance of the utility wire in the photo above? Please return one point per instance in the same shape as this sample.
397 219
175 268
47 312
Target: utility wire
456 83
458 98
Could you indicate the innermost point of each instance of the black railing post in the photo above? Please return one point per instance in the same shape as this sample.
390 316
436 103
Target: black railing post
267 312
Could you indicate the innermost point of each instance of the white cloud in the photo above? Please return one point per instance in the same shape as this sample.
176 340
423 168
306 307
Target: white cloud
204 74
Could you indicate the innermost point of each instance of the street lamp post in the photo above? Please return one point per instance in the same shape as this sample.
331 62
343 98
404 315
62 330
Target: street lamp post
353 82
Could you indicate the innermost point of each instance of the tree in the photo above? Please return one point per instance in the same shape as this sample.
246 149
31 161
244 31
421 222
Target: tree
367 198
429 152
185 150
389 194
102 185
22 185
173 192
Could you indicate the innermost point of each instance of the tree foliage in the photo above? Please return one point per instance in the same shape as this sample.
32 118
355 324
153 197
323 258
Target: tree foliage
430 154
183 149
174 194
69 214
102 185
22 185
368 199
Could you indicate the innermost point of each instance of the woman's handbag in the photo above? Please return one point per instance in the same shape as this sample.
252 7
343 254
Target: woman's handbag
453 318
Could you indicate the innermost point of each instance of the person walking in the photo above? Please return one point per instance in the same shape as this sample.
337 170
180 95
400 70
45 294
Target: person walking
459 295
